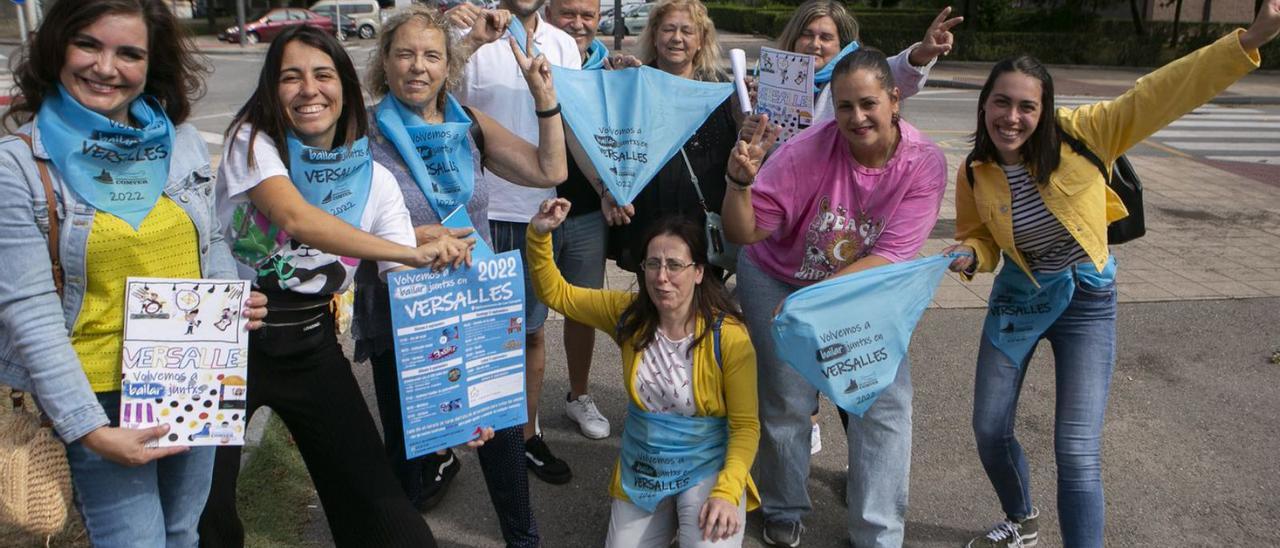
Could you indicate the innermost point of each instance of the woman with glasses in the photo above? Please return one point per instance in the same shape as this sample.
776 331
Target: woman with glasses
690 374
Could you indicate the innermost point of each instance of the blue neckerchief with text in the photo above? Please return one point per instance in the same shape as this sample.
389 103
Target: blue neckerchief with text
438 155
1018 312
631 121
848 335
118 169
823 75
664 454
337 180
597 52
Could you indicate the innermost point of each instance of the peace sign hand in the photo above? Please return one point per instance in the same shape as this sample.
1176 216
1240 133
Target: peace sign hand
747 156
938 39
537 73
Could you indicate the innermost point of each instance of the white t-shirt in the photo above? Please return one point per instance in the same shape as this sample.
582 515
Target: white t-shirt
282 262
664 379
493 84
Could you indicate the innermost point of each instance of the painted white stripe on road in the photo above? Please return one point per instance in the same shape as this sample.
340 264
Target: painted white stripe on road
1216 123
211 116
1212 134
1271 160
1245 117
211 137
1231 147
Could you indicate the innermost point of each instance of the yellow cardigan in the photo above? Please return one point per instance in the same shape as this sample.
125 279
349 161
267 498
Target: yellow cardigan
718 392
1076 193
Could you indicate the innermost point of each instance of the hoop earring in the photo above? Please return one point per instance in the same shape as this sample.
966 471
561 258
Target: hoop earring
896 117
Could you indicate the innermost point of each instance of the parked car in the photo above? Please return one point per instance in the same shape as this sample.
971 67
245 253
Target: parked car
266 27
446 5
367 14
634 18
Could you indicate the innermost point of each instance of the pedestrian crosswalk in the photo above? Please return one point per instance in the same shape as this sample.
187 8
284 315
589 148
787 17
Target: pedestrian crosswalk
1218 132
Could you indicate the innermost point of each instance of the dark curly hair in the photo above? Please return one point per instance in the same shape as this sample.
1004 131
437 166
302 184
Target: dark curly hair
175 72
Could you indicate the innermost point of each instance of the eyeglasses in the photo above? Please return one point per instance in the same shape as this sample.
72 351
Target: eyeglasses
653 266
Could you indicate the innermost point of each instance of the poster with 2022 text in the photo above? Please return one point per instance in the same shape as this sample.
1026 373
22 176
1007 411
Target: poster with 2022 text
185 361
460 354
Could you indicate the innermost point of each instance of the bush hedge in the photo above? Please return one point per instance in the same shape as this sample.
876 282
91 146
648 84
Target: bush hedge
1096 42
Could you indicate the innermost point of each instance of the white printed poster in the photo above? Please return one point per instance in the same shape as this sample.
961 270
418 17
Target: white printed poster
785 91
185 360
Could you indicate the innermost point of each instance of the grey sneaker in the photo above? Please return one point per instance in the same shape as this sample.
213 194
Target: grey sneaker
783 533
1011 534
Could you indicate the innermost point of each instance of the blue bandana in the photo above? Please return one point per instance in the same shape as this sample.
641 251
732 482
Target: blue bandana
823 76
118 169
336 181
596 54
662 454
1020 310
438 155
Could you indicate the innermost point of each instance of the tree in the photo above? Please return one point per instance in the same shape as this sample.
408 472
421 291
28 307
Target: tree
1137 18
1177 21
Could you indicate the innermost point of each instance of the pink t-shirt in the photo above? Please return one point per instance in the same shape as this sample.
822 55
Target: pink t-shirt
826 211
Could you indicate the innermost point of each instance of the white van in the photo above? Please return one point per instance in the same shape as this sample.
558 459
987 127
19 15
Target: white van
366 13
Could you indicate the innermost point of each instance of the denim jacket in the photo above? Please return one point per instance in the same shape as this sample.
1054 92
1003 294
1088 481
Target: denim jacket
35 344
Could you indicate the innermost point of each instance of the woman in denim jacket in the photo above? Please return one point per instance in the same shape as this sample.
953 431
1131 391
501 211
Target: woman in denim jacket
126 67
1028 197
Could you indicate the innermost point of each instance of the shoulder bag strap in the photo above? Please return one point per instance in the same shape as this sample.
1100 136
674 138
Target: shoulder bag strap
693 178
52 236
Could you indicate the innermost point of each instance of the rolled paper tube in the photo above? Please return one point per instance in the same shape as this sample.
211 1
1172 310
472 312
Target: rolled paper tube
738 59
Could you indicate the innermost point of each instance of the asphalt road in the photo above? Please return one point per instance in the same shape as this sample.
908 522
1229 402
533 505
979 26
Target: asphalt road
1189 459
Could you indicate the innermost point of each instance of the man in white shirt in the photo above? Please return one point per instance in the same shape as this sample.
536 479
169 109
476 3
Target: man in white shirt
493 83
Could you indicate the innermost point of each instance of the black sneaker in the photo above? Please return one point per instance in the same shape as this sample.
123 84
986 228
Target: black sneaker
543 464
437 473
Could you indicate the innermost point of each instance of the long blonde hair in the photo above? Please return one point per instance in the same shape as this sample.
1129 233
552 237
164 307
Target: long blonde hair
707 65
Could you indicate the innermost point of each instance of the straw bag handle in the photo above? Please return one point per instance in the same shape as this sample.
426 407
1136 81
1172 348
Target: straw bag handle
51 238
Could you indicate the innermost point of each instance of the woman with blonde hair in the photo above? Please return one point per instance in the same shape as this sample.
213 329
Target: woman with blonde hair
680 39
416 66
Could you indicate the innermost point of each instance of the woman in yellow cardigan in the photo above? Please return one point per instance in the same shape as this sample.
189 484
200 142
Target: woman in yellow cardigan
1026 194
690 371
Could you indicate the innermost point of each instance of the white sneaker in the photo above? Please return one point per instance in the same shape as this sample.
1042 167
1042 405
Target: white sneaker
584 412
815 439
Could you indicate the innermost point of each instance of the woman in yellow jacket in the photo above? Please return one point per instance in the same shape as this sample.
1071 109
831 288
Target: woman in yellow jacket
1046 209
690 371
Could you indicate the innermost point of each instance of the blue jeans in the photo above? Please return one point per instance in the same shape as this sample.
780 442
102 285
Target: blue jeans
879 442
1084 353
156 504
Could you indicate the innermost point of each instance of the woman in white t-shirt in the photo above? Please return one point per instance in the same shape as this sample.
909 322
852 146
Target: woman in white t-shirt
303 203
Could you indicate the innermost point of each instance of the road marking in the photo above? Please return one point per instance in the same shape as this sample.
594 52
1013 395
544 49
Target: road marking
1272 160
1211 134
1245 117
211 116
211 137
1221 123
1235 147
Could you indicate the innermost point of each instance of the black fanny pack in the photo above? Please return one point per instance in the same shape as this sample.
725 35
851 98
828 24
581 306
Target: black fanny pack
294 327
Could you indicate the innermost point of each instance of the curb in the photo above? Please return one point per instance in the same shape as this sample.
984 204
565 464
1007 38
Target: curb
950 84
253 432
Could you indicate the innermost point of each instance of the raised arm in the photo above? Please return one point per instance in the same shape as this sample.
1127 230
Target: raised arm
911 66
737 210
513 158
598 308
1159 98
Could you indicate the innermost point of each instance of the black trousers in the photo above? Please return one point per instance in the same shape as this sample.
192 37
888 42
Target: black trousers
315 393
501 459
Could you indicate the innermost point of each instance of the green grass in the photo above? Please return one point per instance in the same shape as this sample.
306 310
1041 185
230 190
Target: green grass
274 490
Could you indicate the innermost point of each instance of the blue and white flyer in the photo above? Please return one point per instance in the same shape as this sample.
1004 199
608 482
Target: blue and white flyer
459 339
